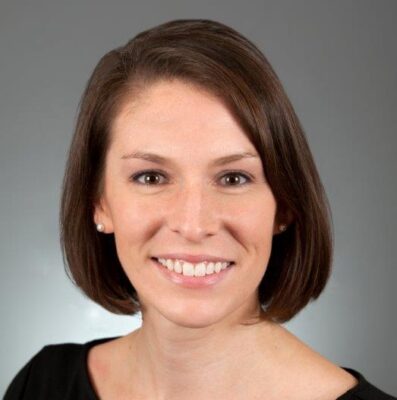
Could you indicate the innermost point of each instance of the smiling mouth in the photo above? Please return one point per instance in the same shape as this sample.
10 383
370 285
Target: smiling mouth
200 269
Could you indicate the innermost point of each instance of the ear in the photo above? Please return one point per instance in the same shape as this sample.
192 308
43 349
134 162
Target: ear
283 218
102 215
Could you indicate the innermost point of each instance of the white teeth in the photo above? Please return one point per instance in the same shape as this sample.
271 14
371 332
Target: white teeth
210 268
189 269
199 269
169 265
177 266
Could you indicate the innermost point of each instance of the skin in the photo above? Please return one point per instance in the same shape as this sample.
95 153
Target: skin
194 343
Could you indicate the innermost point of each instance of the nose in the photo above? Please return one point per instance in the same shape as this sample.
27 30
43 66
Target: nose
193 213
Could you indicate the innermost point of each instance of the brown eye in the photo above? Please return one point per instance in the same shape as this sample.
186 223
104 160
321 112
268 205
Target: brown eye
234 179
150 177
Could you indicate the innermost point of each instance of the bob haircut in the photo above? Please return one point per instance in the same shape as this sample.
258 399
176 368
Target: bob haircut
217 58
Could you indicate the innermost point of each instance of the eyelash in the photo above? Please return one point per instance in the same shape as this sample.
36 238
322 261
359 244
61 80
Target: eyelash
134 178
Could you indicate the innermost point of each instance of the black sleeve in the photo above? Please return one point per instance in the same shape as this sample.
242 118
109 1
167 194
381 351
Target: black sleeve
373 393
16 389
56 372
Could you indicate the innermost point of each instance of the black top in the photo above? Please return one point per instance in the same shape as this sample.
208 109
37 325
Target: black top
60 372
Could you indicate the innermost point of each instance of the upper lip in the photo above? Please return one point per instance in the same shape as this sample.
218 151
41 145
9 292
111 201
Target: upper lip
193 258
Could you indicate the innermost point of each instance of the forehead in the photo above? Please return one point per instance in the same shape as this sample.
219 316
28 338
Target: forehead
177 115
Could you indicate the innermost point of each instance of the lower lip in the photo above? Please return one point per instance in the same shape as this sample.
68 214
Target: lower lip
193 282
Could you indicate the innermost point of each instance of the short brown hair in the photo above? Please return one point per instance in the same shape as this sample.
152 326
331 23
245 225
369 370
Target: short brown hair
221 60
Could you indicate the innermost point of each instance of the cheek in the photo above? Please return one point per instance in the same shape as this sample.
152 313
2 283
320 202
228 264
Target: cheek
254 219
258 238
131 222
262 223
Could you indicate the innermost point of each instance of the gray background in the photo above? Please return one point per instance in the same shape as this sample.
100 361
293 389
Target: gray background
337 61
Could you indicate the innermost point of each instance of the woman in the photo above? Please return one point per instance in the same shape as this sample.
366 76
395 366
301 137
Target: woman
214 264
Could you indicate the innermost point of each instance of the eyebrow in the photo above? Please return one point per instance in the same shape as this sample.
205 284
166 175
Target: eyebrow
156 158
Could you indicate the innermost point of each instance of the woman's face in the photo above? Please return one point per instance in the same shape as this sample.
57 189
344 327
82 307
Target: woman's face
190 204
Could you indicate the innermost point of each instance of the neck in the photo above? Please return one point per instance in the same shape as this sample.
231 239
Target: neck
170 361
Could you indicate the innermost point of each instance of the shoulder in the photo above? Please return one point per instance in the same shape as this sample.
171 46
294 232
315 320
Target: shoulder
101 359
314 376
340 383
55 370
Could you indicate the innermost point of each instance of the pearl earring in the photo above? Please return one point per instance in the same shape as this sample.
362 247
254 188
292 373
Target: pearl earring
282 227
100 227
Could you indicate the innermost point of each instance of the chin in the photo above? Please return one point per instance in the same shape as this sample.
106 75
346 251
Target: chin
199 317
193 323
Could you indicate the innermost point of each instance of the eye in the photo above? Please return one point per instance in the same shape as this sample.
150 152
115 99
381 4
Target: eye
234 180
150 177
